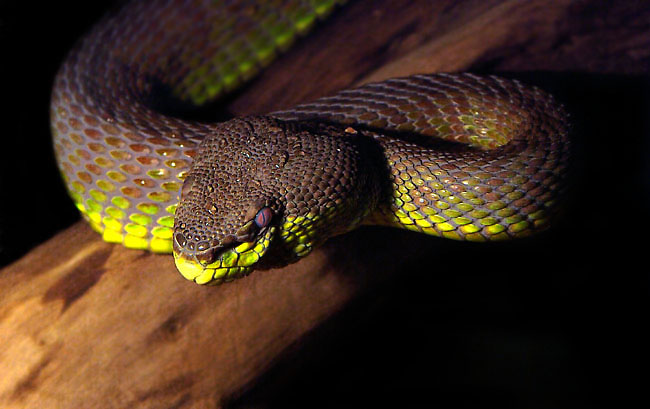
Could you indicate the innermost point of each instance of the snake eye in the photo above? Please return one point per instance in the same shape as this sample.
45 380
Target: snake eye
263 217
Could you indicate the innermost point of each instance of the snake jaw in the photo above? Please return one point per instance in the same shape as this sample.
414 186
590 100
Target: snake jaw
216 266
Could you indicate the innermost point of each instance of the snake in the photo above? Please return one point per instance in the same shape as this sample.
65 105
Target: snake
453 155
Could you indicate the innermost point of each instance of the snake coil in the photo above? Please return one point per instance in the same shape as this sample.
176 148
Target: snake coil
453 155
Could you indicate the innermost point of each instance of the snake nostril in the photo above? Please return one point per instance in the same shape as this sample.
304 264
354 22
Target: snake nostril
180 240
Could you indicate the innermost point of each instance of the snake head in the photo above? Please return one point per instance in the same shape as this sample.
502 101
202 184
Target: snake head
206 259
264 192
224 222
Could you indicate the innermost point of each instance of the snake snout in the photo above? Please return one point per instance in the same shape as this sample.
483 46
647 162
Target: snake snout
204 252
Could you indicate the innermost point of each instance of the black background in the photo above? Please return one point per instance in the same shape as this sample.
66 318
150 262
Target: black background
554 321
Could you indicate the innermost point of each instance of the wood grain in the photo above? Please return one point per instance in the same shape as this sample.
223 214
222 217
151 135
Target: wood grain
89 324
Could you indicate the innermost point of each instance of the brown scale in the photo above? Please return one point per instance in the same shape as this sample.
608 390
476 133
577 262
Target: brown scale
409 152
482 148
317 172
295 169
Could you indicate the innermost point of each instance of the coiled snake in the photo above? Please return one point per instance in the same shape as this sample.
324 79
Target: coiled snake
451 155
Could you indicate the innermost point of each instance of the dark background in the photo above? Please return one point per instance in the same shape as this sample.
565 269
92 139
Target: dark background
559 320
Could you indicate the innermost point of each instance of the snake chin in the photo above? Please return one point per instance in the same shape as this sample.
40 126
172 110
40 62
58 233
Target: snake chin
218 265
211 274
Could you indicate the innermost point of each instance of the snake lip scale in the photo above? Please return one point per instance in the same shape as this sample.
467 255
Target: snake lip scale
458 156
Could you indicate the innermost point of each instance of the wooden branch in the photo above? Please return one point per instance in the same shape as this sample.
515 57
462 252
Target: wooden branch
89 324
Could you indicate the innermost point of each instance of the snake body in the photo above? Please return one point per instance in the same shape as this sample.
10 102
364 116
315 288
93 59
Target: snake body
453 155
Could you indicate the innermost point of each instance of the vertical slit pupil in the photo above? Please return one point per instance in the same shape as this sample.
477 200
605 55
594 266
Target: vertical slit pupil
263 217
